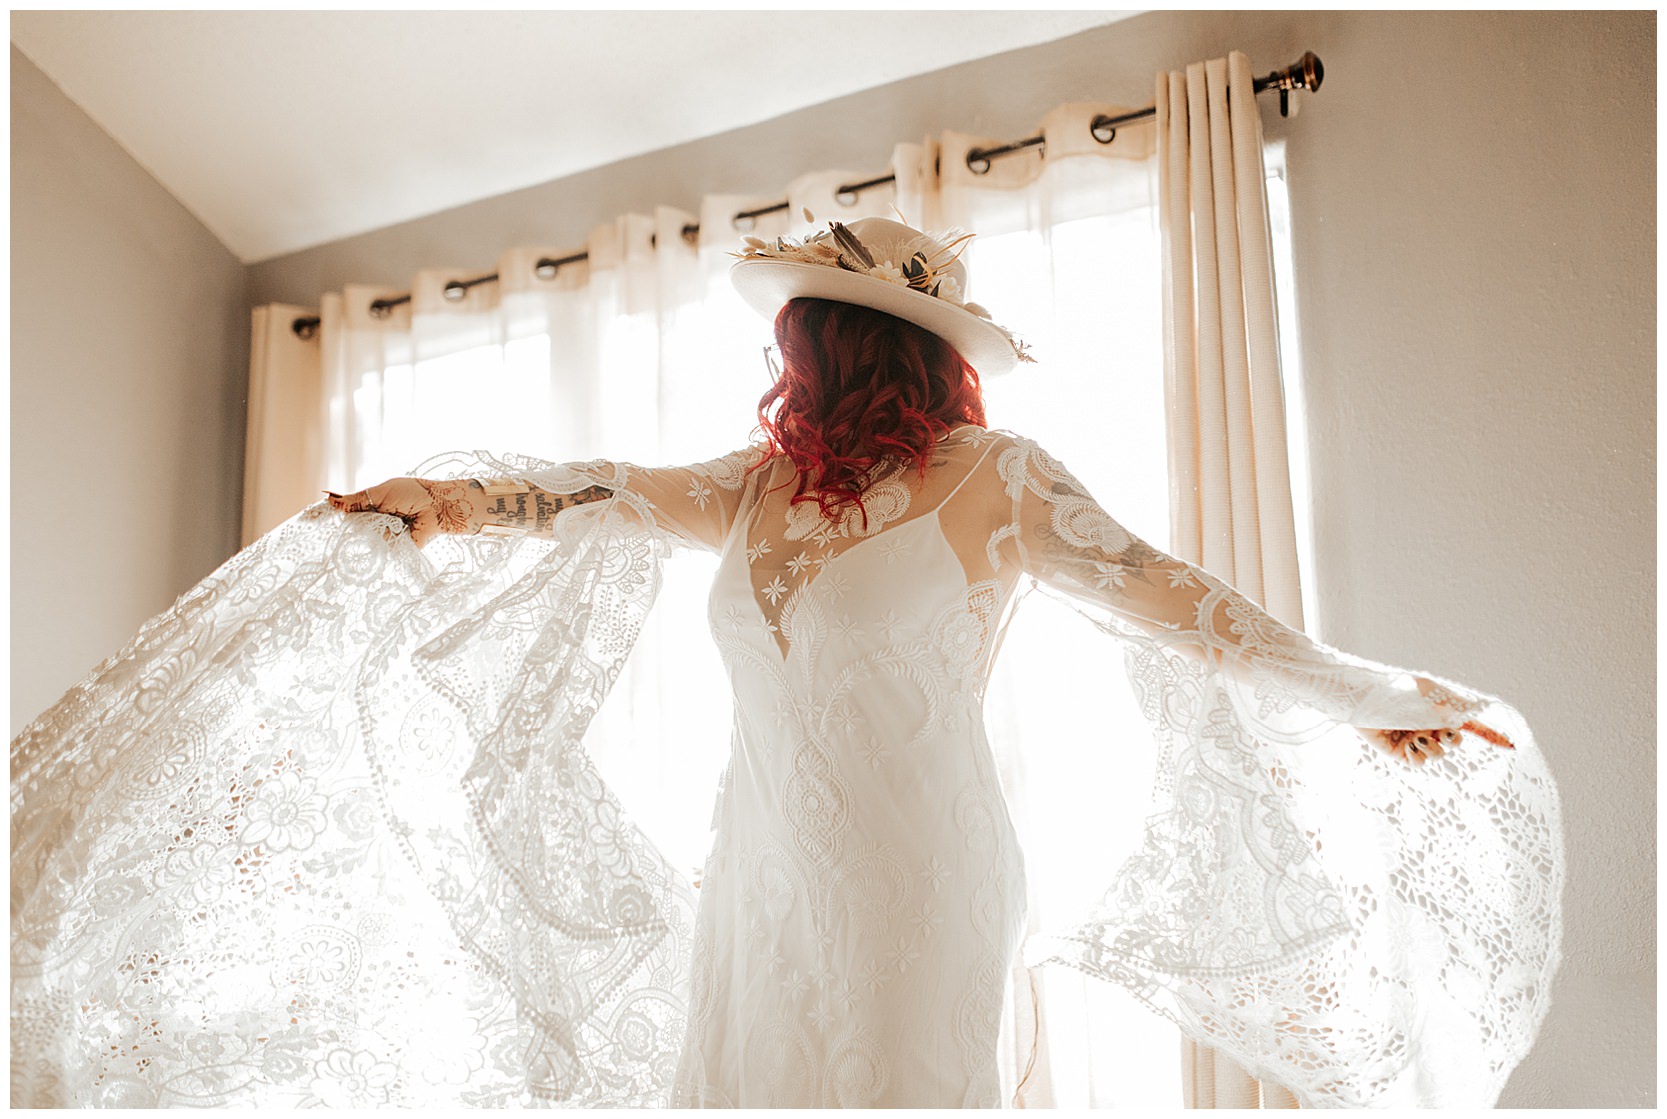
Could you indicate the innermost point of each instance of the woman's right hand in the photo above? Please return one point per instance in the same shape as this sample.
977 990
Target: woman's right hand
426 507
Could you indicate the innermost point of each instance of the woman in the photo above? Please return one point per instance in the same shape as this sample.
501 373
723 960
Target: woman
864 895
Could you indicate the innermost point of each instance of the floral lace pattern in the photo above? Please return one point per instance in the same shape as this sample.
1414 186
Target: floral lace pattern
324 832
1341 924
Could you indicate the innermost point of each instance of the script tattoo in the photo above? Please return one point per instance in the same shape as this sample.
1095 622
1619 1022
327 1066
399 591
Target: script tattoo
535 511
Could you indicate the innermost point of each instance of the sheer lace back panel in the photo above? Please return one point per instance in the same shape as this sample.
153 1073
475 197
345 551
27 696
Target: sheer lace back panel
792 551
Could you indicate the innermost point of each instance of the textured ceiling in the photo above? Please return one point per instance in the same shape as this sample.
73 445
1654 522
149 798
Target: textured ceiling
283 130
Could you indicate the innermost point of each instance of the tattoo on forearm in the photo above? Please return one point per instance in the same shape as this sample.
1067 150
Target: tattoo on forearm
536 510
450 510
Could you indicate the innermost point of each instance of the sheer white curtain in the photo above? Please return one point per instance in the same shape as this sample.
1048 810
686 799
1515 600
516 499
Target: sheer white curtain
642 352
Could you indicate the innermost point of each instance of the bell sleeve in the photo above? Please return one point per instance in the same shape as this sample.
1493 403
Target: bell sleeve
326 833
1354 928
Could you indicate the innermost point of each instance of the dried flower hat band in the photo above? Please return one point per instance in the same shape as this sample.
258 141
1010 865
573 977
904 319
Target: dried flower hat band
886 265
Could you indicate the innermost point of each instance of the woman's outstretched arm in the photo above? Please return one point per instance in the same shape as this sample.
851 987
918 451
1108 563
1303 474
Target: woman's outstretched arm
693 504
1062 537
466 505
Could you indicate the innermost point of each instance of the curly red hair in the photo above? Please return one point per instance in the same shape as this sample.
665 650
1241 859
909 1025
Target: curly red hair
858 386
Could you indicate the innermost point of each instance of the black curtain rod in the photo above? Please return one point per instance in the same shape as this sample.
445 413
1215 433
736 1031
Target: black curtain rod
1306 73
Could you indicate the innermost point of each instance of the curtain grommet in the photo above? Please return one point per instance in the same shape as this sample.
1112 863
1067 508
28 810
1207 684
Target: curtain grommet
455 292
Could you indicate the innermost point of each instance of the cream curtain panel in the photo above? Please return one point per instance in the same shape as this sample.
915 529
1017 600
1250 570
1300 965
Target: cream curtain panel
643 353
283 467
1230 486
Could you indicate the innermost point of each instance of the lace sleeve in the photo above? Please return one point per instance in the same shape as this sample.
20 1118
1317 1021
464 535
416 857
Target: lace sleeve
1066 541
1355 929
691 506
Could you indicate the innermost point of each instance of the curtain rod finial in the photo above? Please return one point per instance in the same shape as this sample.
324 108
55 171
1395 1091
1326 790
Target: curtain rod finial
1306 72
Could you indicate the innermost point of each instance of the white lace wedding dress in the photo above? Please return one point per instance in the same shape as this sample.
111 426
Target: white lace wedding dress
325 833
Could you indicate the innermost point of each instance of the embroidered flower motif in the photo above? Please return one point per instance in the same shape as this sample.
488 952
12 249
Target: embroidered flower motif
1109 576
778 892
889 623
875 753
287 814
798 563
903 953
891 549
762 548
701 493
630 906
774 590
319 961
356 815
193 872
637 1034
935 873
352 1079
844 718
1180 577
430 741
961 637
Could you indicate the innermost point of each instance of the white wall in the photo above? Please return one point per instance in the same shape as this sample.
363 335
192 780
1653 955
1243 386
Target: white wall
1475 252
1473 227
129 343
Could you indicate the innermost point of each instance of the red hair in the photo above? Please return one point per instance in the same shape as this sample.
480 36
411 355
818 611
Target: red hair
858 385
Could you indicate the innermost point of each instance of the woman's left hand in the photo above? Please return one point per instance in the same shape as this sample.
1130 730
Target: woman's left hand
1414 746
1419 746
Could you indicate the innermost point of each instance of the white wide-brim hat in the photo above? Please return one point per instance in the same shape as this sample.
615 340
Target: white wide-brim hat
884 265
